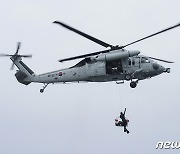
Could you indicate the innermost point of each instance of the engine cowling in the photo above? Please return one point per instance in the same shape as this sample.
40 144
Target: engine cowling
114 55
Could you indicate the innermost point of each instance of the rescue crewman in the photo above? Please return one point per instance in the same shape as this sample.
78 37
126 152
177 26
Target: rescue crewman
124 121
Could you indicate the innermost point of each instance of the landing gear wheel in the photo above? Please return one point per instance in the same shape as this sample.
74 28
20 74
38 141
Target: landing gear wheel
128 77
133 84
44 87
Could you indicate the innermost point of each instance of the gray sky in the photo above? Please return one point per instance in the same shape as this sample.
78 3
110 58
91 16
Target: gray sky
79 118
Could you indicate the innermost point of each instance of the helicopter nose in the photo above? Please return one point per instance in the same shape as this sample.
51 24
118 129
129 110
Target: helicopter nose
161 69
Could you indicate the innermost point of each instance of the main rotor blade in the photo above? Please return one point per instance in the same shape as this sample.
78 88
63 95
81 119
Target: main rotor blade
18 47
161 60
151 35
25 56
104 44
5 55
85 55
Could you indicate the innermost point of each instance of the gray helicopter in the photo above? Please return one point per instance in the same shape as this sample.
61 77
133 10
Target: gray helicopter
114 64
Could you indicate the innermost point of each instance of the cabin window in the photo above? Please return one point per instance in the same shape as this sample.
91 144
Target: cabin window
133 62
129 61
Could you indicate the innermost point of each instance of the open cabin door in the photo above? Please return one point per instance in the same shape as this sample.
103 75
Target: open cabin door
114 67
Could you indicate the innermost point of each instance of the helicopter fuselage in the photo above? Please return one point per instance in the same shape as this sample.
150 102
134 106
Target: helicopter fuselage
137 67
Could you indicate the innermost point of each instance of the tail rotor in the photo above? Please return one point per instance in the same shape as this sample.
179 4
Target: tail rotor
15 56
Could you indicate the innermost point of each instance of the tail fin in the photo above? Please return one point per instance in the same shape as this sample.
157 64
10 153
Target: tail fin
24 75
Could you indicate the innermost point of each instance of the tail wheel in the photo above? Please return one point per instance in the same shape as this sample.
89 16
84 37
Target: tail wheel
44 87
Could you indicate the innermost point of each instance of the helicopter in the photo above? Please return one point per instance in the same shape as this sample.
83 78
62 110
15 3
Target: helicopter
113 64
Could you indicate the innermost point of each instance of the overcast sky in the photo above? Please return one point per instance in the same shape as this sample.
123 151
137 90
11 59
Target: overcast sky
79 118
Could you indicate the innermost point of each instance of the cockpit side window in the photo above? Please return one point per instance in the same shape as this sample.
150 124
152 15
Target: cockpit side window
145 60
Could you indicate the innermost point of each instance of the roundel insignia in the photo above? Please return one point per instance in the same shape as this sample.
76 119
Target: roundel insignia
60 73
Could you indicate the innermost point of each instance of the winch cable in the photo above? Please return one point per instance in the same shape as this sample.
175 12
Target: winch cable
120 100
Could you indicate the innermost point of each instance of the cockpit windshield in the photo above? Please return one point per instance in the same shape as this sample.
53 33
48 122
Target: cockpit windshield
145 60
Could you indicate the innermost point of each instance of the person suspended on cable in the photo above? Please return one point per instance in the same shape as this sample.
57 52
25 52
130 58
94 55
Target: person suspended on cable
123 122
